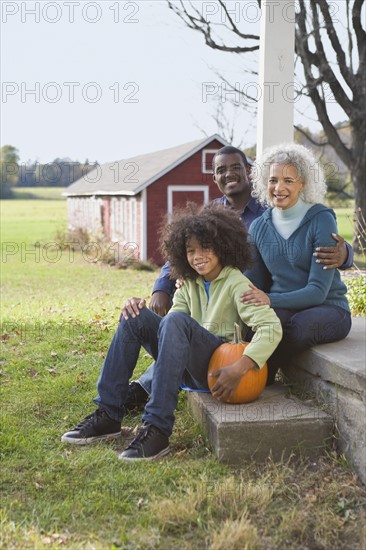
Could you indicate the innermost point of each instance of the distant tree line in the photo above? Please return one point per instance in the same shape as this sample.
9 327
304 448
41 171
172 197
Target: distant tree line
58 173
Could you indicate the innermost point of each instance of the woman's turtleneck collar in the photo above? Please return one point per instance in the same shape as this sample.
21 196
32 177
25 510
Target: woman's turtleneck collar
286 221
299 208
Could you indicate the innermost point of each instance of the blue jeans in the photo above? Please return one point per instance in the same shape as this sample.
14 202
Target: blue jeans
302 329
181 349
145 379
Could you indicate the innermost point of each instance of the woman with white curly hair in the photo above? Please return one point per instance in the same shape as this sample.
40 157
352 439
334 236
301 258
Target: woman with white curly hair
310 301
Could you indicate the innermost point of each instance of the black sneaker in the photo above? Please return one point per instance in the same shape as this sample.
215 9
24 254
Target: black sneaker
95 427
137 397
149 444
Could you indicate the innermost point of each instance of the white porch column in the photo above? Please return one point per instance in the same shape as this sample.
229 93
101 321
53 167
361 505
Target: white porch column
276 74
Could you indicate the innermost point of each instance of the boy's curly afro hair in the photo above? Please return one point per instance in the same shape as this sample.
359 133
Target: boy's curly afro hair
214 226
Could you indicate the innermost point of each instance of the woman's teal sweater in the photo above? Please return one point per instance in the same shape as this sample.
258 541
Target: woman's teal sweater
286 268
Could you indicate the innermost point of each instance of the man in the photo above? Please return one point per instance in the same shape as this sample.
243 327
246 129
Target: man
230 173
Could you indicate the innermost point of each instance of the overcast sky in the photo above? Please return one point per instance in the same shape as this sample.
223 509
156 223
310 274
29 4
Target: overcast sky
110 80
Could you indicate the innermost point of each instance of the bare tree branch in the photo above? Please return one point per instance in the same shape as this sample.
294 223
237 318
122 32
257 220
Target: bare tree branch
198 23
319 58
350 39
302 49
309 137
333 37
237 91
234 28
359 31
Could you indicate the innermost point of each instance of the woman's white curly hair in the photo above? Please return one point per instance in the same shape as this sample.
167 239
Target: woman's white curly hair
307 166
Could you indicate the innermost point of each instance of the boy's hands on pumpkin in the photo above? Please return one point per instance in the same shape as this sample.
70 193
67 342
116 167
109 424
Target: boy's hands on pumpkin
160 303
179 283
229 377
132 307
332 256
255 296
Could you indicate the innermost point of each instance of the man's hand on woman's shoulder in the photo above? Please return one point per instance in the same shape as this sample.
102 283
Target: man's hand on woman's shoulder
332 257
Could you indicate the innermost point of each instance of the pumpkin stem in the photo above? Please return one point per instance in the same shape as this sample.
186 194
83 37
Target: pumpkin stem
237 334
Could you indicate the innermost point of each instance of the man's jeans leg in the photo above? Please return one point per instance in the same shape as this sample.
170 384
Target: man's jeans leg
184 348
122 357
146 378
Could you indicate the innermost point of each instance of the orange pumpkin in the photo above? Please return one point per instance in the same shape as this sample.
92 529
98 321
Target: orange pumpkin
251 384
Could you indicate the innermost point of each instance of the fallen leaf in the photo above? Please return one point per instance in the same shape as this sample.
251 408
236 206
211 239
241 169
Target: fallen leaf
80 378
5 336
180 453
126 431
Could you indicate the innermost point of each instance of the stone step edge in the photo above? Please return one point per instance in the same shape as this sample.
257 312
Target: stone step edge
340 363
310 435
271 401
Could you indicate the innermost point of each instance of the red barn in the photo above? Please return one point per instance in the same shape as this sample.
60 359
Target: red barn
127 199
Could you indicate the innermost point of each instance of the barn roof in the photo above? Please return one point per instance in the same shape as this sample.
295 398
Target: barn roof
130 176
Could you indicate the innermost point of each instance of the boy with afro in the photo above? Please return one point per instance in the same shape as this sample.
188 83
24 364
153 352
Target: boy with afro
207 248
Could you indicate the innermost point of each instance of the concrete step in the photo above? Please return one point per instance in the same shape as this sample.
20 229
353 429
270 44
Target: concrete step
336 375
341 363
273 425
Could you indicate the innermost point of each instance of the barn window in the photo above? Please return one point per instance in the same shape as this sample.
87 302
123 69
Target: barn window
207 156
179 195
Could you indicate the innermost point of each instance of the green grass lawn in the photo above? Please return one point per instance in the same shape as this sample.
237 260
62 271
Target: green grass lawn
345 217
345 223
58 315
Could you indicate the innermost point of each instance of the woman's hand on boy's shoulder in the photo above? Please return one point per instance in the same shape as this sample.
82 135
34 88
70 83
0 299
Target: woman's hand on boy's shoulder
255 296
179 283
132 308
